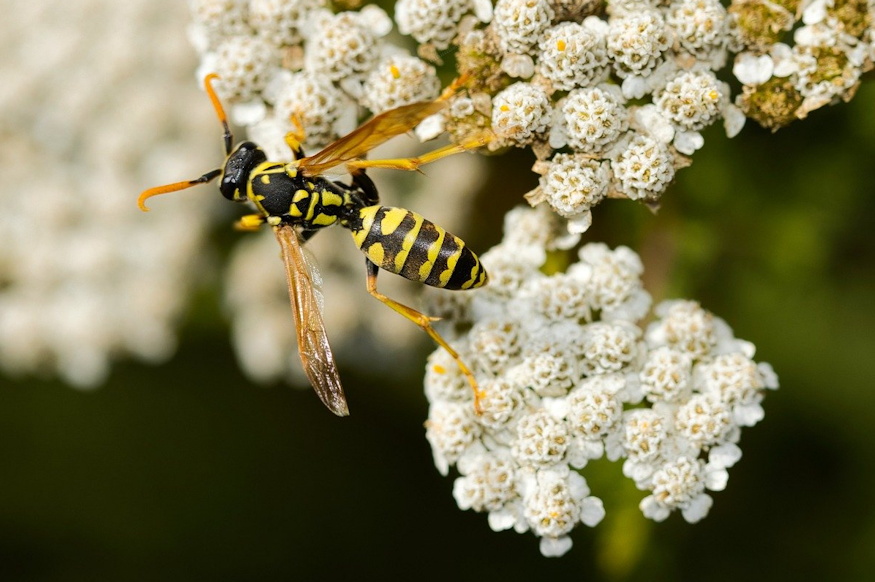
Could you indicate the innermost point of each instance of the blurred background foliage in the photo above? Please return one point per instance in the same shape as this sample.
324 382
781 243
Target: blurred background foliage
187 471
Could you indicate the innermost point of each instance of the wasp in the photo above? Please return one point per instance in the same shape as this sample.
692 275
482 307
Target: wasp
296 200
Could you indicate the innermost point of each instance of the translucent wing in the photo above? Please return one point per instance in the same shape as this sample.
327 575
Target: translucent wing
316 356
369 135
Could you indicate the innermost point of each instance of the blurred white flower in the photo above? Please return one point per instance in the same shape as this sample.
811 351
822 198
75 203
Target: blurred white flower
243 64
341 46
280 21
86 277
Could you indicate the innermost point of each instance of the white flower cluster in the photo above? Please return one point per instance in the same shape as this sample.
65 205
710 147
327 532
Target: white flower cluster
569 373
85 277
629 90
832 48
431 22
614 79
281 61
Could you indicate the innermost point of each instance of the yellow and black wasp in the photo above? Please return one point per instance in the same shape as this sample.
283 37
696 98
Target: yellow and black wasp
297 201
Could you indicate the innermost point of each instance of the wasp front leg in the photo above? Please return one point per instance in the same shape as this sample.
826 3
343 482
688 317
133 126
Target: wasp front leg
249 222
424 322
296 137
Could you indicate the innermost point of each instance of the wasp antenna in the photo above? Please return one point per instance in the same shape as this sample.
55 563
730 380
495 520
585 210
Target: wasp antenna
175 187
227 136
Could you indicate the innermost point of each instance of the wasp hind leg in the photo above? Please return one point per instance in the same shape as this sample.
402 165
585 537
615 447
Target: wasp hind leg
424 322
412 164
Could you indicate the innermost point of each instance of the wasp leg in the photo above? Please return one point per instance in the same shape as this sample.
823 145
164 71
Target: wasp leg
249 223
362 181
424 322
296 136
413 163
307 234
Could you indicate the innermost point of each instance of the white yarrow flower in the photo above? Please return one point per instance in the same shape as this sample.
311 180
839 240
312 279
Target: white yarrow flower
520 113
519 23
594 118
643 170
574 54
560 360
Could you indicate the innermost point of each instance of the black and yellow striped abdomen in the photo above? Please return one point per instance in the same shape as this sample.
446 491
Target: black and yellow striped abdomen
403 242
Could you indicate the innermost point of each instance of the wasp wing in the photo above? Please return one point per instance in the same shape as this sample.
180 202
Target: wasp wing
316 356
369 135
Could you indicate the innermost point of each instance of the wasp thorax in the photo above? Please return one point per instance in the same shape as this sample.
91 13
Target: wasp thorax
238 166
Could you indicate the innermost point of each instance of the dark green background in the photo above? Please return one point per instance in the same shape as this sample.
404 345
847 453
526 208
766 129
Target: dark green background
186 471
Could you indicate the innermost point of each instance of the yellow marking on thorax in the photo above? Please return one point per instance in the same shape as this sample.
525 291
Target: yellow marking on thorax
324 219
265 178
392 220
255 199
297 197
267 168
314 202
407 243
291 170
331 199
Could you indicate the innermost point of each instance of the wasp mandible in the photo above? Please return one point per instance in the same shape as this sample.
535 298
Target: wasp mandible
296 200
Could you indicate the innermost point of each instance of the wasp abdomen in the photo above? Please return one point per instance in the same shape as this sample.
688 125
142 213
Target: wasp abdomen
405 243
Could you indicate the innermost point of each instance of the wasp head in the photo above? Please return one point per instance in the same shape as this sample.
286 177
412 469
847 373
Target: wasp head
239 165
